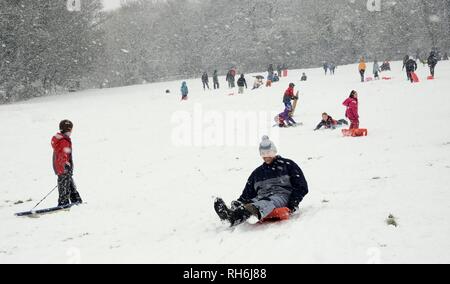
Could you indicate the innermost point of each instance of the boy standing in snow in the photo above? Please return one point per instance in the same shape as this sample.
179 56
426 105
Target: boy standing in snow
352 110
184 91
63 165
289 96
278 183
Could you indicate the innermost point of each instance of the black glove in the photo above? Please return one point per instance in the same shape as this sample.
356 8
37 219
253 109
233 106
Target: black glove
68 169
293 205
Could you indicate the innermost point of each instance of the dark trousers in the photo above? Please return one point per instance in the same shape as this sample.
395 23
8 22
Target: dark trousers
216 85
342 122
205 84
409 74
362 72
67 190
432 70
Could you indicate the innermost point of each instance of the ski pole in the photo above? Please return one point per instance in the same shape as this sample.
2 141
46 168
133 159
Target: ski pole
44 198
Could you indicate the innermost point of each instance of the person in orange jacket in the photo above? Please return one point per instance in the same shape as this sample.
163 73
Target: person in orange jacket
362 68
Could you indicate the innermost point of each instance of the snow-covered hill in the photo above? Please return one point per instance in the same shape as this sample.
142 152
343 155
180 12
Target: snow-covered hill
149 167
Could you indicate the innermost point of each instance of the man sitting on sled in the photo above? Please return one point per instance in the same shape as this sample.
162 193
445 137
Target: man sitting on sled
278 183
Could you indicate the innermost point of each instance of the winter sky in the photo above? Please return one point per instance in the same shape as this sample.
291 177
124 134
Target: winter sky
111 4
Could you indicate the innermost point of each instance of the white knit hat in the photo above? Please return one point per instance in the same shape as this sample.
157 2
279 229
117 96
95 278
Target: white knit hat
267 148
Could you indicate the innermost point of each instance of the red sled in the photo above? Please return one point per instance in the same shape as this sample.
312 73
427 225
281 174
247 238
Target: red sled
415 77
279 214
387 78
430 78
285 73
355 132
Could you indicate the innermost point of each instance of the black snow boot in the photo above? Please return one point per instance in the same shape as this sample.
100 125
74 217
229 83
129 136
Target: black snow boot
236 216
222 210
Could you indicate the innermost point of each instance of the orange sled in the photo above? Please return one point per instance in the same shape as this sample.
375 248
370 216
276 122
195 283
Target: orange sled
279 214
355 132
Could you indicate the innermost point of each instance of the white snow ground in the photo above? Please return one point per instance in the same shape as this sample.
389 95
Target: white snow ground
150 199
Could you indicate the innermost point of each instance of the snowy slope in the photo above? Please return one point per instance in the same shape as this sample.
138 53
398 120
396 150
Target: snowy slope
150 198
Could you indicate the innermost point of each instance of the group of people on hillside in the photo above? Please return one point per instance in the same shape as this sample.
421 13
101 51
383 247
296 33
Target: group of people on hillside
205 80
272 76
329 67
410 65
230 78
362 67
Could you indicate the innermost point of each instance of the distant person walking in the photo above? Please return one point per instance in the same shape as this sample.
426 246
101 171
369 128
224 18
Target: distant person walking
216 80
376 70
230 79
325 68
362 68
332 67
411 67
205 81
241 82
432 62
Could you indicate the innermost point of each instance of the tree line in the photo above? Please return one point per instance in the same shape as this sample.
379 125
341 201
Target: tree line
45 48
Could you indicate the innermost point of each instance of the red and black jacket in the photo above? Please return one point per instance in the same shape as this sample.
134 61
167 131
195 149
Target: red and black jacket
329 123
62 154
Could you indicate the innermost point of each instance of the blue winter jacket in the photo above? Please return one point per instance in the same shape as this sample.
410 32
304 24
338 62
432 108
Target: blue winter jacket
184 89
281 177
